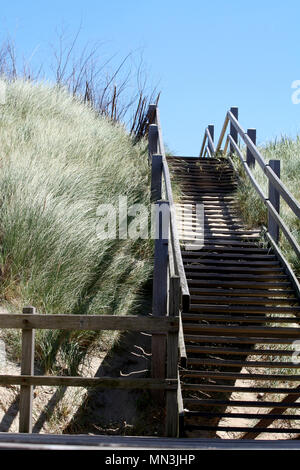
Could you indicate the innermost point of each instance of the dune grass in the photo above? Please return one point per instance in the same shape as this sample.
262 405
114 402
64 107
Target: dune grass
59 161
253 210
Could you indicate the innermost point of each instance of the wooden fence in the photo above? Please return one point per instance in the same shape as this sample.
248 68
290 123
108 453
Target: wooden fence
29 321
170 288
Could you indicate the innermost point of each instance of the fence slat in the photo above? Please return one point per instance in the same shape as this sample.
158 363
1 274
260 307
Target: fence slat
99 382
88 322
27 368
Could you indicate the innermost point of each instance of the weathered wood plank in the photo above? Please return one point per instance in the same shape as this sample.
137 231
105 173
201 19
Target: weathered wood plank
89 322
99 382
156 177
160 286
105 442
172 360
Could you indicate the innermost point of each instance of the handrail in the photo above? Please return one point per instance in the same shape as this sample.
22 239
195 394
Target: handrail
173 226
210 147
210 144
274 180
266 201
170 288
284 192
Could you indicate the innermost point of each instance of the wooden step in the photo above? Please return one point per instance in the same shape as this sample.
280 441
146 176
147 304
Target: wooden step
244 292
240 364
237 403
238 319
194 276
264 285
243 309
202 414
238 351
241 300
246 389
244 429
192 374
231 330
194 338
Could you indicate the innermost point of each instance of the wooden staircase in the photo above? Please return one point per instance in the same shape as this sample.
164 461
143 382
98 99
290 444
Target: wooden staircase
243 316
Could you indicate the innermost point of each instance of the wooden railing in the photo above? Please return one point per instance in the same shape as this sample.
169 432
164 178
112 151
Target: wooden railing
29 321
170 289
272 170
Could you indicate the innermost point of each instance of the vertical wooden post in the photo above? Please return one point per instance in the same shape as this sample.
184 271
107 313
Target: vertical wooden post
172 420
152 141
151 112
211 130
27 368
233 131
250 159
274 198
159 303
156 175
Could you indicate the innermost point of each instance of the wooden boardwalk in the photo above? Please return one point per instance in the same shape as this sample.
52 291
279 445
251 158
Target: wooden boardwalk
241 300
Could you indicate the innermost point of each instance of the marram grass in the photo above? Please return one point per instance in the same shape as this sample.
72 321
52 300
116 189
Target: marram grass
59 161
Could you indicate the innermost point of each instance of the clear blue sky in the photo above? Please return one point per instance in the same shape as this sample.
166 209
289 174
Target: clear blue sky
206 56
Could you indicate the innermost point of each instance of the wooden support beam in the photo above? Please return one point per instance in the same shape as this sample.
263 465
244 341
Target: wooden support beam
89 322
159 296
274 199
250 159
211 130
172 413
27 368
93 382
210 143
152 141
233 131
156 177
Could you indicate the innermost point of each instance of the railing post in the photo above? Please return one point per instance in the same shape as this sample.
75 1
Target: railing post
156 176
152 141
160 286
151 113
27 368
250 159
172 408
274 198
233 132
211 130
